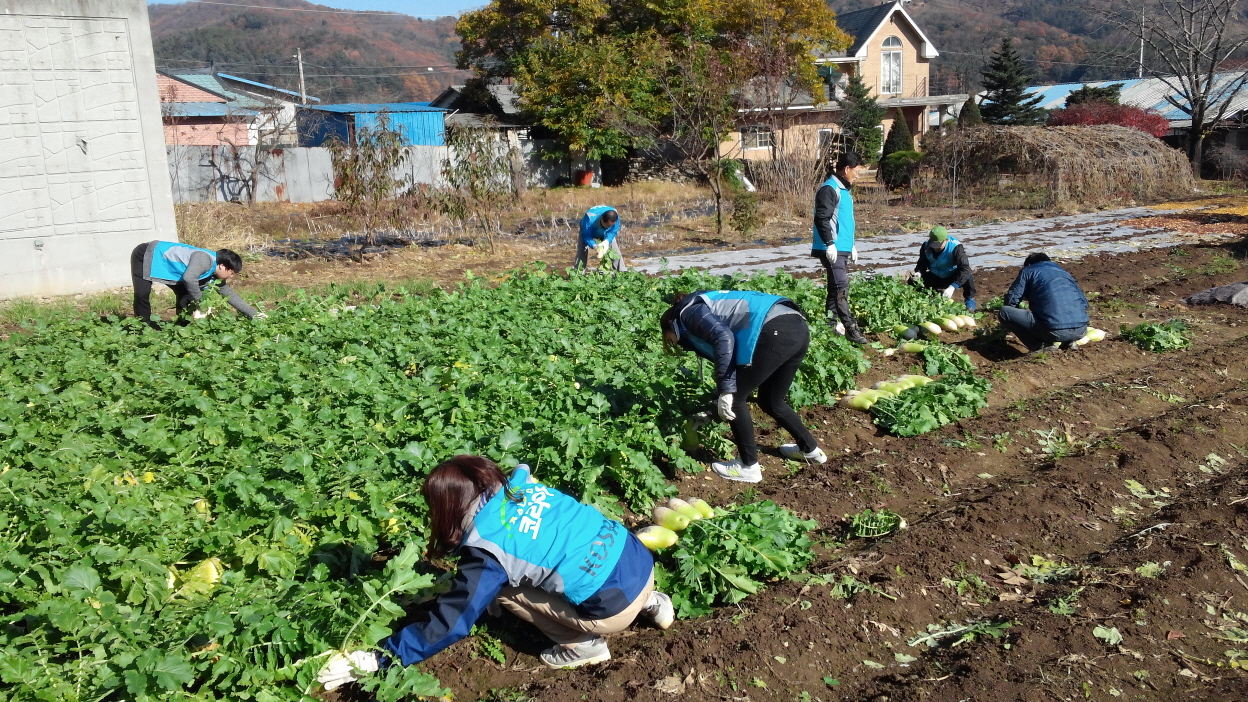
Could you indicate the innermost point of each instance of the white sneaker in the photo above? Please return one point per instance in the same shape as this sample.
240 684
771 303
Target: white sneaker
659 610
733 470
574 656
793 453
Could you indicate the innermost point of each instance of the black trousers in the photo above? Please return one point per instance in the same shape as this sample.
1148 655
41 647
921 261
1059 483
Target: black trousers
782 344
143 290
838 288
937 283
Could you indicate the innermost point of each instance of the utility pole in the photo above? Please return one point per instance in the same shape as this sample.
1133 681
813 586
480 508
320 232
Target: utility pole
1141 73
303 93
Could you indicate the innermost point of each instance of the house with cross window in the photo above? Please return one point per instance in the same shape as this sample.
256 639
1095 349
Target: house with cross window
891 54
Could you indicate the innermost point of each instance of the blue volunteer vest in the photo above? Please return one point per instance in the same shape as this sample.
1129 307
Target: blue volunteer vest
942 266
166 269
548 540
845 225
743 312
590 231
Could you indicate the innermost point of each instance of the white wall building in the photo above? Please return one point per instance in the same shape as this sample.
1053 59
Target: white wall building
82 156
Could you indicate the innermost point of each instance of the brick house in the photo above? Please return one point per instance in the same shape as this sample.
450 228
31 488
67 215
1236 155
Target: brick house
892 55
195 116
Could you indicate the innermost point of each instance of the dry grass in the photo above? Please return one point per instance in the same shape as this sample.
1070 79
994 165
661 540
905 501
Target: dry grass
221 225
1070 165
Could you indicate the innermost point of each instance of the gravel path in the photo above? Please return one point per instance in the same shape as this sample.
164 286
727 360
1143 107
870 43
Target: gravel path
989 245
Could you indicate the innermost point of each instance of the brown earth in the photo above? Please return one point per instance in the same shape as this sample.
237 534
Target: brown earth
982 496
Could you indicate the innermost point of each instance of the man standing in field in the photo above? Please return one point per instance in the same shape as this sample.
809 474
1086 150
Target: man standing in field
833 242
599 227
186 269
1057 310
943 265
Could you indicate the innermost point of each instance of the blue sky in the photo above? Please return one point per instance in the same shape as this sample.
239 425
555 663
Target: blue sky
427 8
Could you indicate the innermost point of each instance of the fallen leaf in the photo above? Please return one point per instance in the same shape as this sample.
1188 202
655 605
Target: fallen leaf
986 476
873 664
903 658
1175 635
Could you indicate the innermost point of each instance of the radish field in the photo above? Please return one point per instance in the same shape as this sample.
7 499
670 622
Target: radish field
207 510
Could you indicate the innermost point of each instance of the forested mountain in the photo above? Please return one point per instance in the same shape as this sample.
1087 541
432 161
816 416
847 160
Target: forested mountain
348 57
1062 41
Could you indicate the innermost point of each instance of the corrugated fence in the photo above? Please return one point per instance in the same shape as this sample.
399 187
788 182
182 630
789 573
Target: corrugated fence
306 174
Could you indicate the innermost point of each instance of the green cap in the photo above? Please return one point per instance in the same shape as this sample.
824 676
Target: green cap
938 233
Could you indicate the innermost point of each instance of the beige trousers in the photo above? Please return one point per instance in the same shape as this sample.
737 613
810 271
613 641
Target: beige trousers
558 619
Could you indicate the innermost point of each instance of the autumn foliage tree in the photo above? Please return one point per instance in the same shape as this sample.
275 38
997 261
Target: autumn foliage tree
1087 114
578 65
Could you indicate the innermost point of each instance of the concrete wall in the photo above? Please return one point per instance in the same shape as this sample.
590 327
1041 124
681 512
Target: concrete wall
82 173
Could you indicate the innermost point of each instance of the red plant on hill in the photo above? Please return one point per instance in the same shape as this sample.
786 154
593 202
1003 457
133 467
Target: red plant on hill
1093 113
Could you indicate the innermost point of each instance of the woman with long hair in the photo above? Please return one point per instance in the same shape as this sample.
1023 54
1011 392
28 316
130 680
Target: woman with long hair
757 342
531 550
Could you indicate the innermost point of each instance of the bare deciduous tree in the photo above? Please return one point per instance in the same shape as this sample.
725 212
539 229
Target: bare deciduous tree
1192 46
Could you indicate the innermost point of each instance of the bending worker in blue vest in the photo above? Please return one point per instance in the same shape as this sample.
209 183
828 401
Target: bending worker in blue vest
1057 309
943 265
757 342
599 227
833 242
186 269
531 550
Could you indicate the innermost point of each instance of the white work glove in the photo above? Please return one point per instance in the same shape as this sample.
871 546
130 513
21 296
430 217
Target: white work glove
261 315
832 254
724 405
948 292
344 668
915 274
853 254
201 315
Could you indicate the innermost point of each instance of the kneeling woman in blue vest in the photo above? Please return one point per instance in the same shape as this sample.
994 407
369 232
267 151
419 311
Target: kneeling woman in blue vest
943 265
757 342
531 550
186 269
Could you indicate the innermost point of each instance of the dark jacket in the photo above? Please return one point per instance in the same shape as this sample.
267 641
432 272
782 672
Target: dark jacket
960 259
1052 295
696 318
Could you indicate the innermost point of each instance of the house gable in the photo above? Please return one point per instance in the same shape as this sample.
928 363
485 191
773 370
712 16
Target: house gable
174 89
864 25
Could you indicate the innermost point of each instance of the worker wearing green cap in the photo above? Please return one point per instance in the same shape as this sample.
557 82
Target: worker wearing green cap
943 265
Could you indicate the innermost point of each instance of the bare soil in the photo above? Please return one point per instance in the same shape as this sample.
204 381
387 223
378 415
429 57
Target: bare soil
1041 472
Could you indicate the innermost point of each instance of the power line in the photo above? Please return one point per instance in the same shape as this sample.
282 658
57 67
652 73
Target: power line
357 13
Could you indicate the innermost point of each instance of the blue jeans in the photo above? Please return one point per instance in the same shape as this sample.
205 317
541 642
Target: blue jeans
1023 323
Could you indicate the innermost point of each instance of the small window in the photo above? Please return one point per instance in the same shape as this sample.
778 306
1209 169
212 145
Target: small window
890 67
757 138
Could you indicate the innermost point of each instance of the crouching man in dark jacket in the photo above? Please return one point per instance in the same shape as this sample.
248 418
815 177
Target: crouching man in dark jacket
1057 311
186 269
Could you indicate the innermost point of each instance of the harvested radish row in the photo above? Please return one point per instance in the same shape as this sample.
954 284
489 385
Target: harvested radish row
684 508
1093 334
669 518
862 400
656 537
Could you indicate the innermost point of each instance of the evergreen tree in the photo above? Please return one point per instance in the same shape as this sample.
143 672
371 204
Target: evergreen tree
1088 94
861 115
1005 82
899 137
969 115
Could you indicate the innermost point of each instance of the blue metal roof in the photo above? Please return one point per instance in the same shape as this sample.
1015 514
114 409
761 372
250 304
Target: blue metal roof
203 109
362 107
266 86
